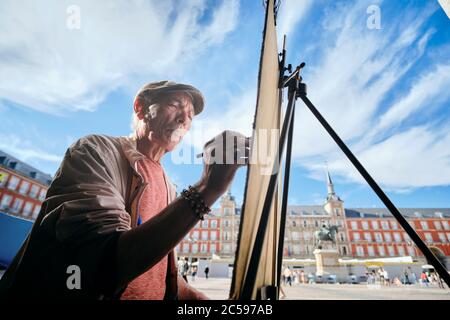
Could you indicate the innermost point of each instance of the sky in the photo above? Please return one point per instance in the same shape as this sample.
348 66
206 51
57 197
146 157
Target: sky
378 71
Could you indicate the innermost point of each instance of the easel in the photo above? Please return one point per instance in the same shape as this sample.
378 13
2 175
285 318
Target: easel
297 89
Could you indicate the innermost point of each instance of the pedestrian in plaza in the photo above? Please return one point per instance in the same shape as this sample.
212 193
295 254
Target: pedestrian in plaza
302 277
185 272
194 272
206 272
406 277
386 278
424 278
288 276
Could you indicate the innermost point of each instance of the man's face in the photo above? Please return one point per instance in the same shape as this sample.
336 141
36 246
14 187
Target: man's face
171 120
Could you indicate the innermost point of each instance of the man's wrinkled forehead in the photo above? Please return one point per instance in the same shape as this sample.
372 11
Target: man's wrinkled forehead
181 99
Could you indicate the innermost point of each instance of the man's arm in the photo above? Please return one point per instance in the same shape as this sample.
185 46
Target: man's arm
141 248
187 292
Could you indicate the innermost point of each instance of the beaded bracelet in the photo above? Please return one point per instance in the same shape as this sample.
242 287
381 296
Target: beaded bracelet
196 202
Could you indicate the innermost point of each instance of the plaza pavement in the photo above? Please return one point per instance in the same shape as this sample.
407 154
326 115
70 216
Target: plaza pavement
218 288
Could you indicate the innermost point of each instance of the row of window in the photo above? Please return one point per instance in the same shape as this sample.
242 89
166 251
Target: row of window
314 223
388 225
19 206
297 249
184 247
203 235
207 223
23 187
382 252
308 235
387 237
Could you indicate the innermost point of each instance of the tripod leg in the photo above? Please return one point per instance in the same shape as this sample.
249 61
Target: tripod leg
383 197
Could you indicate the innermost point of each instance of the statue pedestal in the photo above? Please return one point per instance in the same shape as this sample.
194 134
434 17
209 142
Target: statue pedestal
327 264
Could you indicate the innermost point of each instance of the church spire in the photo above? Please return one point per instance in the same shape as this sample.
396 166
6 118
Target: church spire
330 185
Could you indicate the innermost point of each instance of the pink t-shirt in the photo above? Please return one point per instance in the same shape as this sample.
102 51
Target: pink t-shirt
151 285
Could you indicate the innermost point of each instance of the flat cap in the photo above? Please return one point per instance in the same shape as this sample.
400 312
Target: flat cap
162 87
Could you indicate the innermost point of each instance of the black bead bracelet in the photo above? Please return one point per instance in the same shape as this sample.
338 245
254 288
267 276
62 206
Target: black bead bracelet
195 200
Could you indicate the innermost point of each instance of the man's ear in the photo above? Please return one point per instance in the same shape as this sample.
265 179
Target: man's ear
138 109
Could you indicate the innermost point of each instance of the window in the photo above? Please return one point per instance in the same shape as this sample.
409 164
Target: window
428 237
367 236
295 235
3 177
437 225
401 251
448 237
226 248
42 194
213 235
227 223
384 225
13 182
365 225
36 210
375 225
296 249
24 186
212 248
214 223
391 251
185 248
204 235
305 224
226 236
194 248
424 225
27 208
354 225
203 248
195 235
17 205
360 251
34 191
397 237
394 225
344 250
316 224
445 224
381 251
356 236
378 237
6 201
341 236
205 224
294 224
306 235
370 251
406 237
411 251
387 237
337 211
227 211
442 237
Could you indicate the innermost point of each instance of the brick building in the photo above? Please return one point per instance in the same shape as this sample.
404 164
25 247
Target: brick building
363 233
22 187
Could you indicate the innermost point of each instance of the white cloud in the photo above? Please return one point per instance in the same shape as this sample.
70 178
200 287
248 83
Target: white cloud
25 150
54 69
289 15
417 157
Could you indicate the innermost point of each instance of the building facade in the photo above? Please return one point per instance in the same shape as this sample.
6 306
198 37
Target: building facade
22 187
363 233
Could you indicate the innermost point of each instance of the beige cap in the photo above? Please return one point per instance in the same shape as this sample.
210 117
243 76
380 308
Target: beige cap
159 87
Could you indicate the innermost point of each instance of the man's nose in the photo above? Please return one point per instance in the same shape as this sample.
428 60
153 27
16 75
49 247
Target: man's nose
182 118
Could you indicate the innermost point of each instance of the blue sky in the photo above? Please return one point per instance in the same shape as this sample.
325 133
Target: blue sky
385 91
